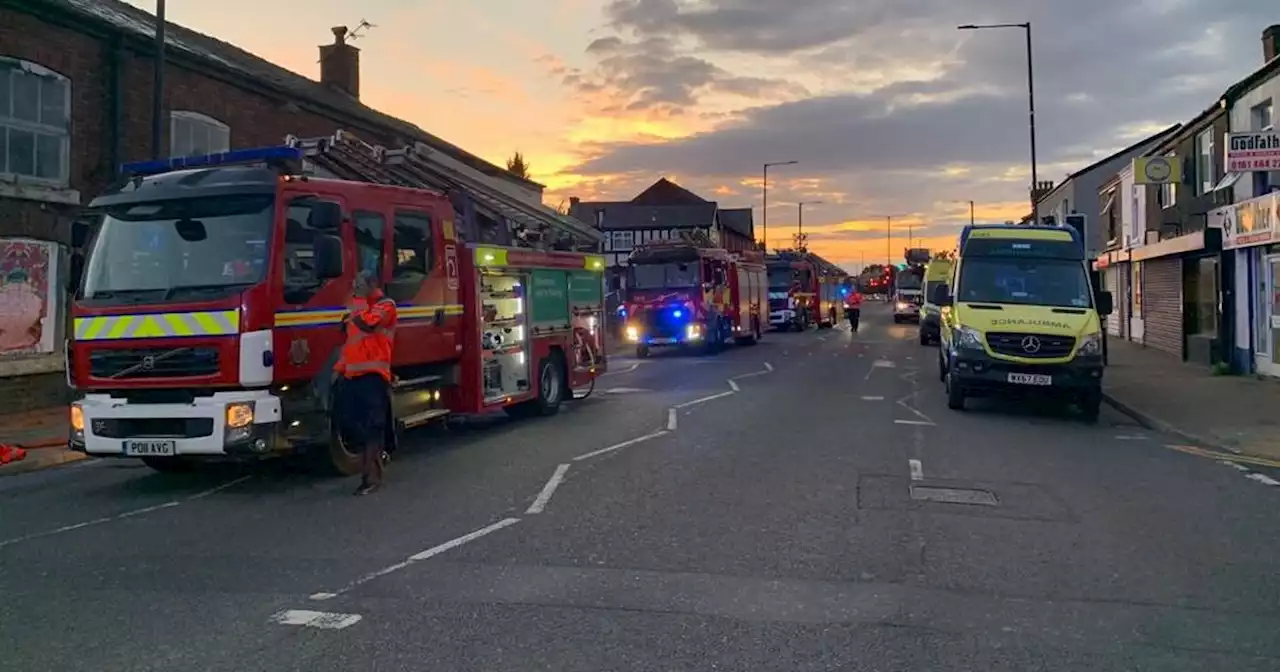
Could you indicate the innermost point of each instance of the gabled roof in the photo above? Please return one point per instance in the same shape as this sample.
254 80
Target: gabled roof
666 192
738 220
625 215
121 17
1156 138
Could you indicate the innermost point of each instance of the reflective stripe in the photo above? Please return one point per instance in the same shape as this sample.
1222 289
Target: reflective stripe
157 325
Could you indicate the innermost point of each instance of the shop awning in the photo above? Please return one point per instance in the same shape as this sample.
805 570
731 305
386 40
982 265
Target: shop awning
1229 180
1205 239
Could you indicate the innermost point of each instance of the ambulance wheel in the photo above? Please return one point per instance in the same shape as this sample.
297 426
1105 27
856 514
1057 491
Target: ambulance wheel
642 351
169 465
955 394
1090 406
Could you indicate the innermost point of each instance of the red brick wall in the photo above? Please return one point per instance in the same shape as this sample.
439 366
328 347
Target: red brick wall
256 118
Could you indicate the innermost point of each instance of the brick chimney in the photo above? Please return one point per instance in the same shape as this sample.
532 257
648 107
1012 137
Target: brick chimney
1270 43
340 64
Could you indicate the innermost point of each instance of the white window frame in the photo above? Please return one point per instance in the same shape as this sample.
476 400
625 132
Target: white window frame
64 131
622 240
1255 116
188 117
1205 172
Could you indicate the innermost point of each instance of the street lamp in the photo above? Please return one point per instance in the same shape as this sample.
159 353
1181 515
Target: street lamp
800 220
888 242
1031 100
764 201
970 211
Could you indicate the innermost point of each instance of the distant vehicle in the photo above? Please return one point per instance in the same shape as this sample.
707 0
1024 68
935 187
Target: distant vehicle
938 272
1022 317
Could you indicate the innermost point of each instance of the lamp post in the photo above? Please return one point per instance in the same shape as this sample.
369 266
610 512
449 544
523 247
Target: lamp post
764 201
800 221
1031 100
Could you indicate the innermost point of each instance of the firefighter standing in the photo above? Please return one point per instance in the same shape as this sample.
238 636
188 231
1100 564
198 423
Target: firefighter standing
853 307
364 394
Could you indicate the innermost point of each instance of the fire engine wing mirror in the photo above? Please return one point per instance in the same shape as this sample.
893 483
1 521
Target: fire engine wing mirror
75 272
328 257
325 216
941 296
1105 303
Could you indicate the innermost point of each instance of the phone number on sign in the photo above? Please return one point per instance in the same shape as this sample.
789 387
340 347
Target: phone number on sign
1246 165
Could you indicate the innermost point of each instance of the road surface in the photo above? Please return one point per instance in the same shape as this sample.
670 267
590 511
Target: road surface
751 511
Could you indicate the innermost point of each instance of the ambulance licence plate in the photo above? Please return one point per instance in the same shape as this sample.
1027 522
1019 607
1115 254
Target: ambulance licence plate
149 448
1030 379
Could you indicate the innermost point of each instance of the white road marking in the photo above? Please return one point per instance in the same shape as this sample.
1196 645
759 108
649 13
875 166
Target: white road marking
1127 437
624 444
418 557
549 489
671 419
882 364
768 366
705 399
920 423
1234 465
315 619
733 385
625 390
1263 479
122 516
873 398
902 402
629 369
917 470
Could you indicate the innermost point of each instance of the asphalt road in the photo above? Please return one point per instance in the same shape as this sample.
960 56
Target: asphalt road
764 521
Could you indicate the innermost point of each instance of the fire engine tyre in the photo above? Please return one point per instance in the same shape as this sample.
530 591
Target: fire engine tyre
552 384
169 465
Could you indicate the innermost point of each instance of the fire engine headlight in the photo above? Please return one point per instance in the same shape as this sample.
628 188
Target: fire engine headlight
77 422
901 305
633 333
239 415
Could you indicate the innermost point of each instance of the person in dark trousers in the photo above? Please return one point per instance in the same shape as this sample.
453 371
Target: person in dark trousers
853 308
364 393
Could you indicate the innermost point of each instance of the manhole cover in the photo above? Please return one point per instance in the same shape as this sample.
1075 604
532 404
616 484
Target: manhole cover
953 495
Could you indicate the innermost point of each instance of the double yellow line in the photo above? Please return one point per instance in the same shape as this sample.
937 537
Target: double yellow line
1228 457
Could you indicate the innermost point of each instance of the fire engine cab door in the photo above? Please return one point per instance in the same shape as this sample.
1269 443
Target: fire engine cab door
308 308
419 282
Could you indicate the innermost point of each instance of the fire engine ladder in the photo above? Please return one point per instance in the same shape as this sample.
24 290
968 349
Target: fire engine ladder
347 157
416 160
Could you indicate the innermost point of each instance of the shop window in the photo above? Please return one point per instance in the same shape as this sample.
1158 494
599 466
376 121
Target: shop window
35 122
192 133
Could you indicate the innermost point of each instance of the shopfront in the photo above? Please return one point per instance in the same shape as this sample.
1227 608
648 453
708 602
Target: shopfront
1113 266
1181 296
1252 229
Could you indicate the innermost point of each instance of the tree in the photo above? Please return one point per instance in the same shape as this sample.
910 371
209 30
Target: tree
517 166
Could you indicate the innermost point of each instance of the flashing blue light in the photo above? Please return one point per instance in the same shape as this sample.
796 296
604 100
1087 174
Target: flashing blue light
281 154
678 313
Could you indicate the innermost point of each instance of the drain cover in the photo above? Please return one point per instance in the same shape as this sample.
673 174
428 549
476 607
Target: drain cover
953 495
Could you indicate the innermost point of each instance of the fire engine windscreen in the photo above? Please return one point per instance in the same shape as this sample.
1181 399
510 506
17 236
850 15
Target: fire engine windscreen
180 248
781 277
909 280
659 276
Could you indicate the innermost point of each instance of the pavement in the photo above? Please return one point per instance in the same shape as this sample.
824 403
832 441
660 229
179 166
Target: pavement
42 436
1233 414
805 504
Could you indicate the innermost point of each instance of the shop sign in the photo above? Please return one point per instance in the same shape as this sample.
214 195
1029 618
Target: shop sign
1256 222
1253 151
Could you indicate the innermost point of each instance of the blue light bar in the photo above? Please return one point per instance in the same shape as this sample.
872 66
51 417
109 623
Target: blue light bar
268 155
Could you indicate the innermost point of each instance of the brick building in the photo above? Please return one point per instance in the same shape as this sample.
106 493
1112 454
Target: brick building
76 90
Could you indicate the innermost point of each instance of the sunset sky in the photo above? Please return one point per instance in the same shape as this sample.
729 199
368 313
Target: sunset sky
887 107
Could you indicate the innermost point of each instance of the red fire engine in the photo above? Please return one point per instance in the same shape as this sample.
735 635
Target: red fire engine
208 304
804 289
686 293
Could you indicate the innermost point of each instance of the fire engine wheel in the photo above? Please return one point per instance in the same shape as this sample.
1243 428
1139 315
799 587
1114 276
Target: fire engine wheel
552 384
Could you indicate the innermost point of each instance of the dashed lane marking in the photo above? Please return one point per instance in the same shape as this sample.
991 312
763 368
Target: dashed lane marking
540 503
671 419
733 385
619 446
917 470
873 398
418 557
918 423
1129 437
625 390
1262 478
127 514
315 619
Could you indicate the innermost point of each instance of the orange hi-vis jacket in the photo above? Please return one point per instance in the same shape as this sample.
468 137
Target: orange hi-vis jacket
854 300
370 328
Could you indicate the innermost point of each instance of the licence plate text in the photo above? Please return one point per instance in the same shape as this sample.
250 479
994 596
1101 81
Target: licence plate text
1030 379
149 448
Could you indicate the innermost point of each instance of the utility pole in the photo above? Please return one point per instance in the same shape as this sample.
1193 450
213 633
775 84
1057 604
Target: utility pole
764 201
157 86
800 218
1031 107
970 213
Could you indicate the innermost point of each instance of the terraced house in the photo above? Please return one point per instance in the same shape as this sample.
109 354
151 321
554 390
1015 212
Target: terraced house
76 93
